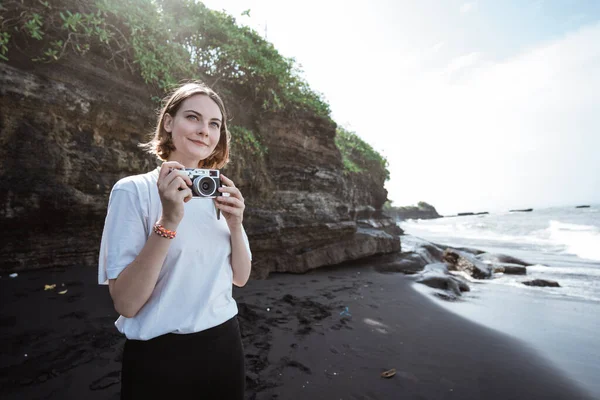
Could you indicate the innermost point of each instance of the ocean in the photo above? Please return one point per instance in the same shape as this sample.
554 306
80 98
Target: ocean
562 324
563 243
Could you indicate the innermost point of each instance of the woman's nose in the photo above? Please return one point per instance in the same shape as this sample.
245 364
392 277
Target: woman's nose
203 129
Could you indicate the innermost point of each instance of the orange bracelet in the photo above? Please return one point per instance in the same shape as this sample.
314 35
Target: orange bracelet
164 232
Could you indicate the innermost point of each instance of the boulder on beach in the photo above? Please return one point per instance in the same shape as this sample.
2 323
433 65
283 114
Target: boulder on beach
541 283
491 258
446 296
411 262
421 211
466 214
469 250
465 249
448 283
461 261
435 275
407 263
512 269
432 252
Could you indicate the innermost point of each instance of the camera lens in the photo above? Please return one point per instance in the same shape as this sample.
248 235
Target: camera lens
205 186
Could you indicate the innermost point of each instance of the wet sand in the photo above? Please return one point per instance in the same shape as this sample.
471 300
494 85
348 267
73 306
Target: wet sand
327 334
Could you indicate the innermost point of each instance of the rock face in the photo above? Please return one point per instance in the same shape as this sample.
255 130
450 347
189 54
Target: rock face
70 130
446 270
491 258
408 263
513 269
448 287
447 282
465 214
421 211
464 262
541 283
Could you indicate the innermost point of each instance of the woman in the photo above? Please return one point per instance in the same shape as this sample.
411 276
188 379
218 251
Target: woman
170 262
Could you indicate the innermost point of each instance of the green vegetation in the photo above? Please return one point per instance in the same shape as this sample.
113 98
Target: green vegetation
387 206
165 41
242 138
168 41
420 208
357 155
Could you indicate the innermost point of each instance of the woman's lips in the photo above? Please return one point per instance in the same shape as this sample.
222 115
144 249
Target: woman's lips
199 143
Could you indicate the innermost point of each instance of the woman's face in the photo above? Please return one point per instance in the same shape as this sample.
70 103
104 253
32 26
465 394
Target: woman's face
195 129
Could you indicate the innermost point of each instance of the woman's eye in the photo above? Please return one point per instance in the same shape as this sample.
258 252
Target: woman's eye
192 116
215 124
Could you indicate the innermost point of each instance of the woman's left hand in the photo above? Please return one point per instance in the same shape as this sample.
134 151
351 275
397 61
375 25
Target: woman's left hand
231 206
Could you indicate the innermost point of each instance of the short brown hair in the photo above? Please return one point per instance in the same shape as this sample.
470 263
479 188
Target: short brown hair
162 145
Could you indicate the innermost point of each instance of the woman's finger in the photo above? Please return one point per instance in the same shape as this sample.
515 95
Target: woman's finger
178 173
169 170
166 168
233 191
231 210
227 181
231 201
183 175
185 194
176 185
165 182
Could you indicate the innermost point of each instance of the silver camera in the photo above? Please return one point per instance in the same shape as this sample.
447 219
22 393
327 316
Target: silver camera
205 182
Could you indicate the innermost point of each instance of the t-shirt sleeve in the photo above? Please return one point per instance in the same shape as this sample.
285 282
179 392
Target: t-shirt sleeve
125 233
247 242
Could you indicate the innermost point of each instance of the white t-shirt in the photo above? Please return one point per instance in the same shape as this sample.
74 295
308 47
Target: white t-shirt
193 291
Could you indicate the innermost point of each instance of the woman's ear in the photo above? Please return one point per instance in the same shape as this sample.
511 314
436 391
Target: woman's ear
168 123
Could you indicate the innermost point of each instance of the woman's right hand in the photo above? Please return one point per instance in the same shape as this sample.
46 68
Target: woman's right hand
174 190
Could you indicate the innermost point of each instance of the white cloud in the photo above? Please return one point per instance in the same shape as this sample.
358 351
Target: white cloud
418 59
508 134
463 62
462 129
538 5
468 7
437 47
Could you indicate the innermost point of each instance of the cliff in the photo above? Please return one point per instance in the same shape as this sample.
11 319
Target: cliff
420 211
69 130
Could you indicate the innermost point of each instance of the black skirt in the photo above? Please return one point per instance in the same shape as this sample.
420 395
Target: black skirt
203 365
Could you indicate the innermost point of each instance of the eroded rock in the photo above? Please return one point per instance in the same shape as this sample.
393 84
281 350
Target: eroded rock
541 283
513 269
447 282
71 131
461 261
491 258
407 263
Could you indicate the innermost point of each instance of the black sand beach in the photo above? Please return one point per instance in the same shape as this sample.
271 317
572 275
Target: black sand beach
328 334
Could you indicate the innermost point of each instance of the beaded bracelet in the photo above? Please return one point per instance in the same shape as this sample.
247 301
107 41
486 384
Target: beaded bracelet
164 232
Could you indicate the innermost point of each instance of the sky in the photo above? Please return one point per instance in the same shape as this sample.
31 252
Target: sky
478 105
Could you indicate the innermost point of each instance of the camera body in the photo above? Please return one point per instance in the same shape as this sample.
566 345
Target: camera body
205 182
